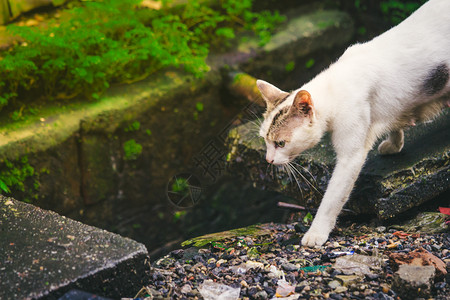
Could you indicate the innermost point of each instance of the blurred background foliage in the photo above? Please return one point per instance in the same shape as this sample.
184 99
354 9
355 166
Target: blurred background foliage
116 41
99 43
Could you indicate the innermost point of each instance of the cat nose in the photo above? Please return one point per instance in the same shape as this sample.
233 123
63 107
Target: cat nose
270 161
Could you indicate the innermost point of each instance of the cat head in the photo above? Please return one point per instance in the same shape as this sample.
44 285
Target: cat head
289 123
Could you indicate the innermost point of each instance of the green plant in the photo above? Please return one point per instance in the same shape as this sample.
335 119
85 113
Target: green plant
14 174
396 11
110 41
135 126
199 106
310 63
290 66
132 150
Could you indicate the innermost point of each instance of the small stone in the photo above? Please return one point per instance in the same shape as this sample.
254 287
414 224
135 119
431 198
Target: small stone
341 289
380 229
419 257
177 253
372 276
262 295
358 264
349 279
368 292
252 292
413 281
186 289
383 296
336 296
289 267
220 261
334 284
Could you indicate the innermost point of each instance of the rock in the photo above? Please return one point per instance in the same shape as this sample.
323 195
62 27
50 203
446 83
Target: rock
387 185
284 289
358 264
427 222
334 284
341 289
216 291
418 257
289 267
303 34
411 281
186 289
46 255
254 230
261 295
347 280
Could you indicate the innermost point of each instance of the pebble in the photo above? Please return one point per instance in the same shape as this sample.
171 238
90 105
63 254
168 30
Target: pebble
307 273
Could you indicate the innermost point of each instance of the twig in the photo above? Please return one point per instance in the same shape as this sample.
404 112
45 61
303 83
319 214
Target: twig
290 206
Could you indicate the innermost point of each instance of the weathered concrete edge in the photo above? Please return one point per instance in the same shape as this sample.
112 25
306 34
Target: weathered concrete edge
113 285
114 275
42 135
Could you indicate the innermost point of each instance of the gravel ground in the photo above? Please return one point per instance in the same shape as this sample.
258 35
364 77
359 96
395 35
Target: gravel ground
271 264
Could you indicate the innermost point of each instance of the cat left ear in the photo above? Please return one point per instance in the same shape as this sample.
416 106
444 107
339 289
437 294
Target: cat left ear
303 103
270 93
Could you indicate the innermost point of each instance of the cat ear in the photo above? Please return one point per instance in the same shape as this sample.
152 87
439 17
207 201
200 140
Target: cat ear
302 103
270 93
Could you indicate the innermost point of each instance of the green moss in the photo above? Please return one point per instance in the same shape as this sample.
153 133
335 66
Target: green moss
254 230
135 126
132 150
290 66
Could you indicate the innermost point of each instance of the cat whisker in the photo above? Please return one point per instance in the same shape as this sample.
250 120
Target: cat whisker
290 171
304 178
305 169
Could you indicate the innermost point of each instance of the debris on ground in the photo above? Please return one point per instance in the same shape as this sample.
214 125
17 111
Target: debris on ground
357 262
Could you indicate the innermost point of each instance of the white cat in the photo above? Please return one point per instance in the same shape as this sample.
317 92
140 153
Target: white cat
399 78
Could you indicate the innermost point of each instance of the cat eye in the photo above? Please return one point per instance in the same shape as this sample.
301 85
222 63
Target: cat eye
280 144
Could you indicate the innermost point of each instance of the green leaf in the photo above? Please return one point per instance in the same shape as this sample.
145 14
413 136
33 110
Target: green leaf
4 187
290 66
199 106
226 32
308 218
310 63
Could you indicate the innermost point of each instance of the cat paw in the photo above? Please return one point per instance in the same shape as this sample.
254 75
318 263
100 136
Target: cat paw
387 147
311 239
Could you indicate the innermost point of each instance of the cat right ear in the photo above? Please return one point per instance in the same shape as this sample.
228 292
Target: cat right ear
270 93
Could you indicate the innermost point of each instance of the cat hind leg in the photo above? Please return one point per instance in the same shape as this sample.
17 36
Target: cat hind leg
393 144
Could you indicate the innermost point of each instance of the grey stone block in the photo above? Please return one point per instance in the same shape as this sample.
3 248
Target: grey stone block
44 255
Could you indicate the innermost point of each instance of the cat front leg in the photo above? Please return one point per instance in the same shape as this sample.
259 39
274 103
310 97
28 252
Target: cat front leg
393 144
341 184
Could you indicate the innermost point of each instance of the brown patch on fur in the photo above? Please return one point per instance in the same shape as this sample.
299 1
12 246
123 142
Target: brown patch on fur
303 102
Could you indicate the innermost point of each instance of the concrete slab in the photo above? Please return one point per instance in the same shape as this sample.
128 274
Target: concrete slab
44 255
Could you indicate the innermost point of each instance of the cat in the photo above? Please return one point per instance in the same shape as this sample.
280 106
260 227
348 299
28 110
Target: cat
375 88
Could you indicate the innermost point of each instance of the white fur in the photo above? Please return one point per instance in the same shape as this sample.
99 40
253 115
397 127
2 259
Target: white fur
367 93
